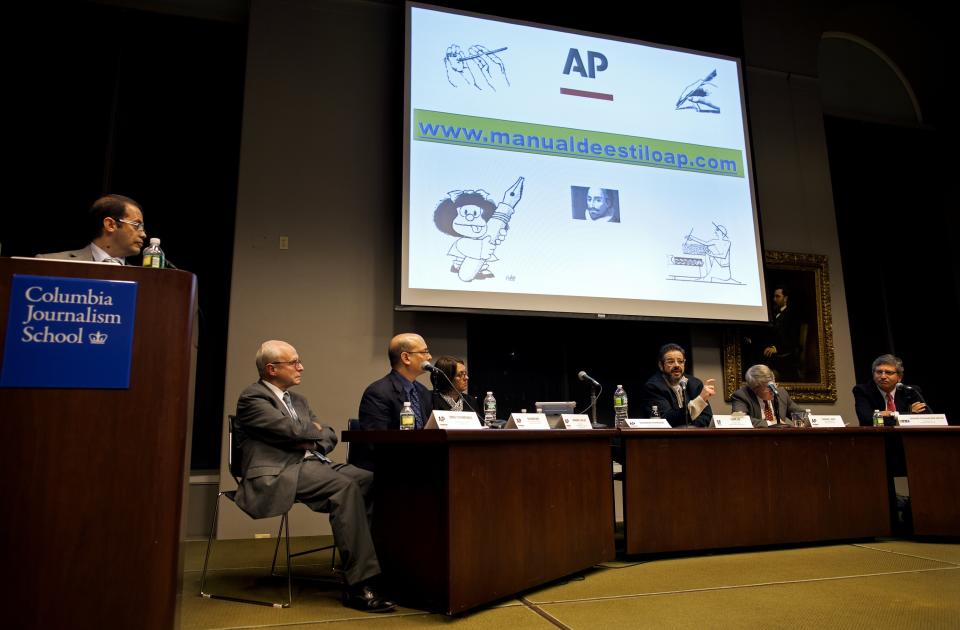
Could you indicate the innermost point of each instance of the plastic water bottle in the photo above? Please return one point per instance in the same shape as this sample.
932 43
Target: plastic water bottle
877 418
489 410
654 411
153 255
620 406
407 418
806 418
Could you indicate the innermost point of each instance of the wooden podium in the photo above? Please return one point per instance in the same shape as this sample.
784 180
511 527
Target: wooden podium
97 478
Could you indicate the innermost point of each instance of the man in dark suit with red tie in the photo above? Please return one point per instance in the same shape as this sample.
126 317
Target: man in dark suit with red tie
886 393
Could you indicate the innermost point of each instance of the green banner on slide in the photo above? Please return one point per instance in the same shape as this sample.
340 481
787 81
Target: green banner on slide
509 135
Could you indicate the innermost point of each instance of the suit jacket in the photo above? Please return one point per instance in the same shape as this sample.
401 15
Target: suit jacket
85 254
657 392
786 337
380 408
746 401
868 398
270 458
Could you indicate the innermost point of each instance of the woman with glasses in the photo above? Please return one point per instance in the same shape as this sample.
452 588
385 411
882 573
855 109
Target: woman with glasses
450 386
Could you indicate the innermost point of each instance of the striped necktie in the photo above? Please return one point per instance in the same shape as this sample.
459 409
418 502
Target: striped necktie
415 404
112 261
288 401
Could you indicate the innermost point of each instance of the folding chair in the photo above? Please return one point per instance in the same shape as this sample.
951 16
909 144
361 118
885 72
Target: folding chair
233 460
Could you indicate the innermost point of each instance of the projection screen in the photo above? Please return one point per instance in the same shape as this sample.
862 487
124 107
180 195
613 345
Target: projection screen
552 171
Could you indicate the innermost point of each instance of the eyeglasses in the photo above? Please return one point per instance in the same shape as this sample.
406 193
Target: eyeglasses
461 375
424 351
136 225
674 361
290 362
884 372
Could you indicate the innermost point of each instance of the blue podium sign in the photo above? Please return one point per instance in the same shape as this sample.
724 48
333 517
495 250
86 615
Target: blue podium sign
69 332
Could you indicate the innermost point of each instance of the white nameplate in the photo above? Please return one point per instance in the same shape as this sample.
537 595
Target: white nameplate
453 420
819 422
527 421
647 423
732 422
574 421
922 420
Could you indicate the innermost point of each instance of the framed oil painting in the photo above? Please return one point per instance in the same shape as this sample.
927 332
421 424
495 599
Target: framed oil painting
798 342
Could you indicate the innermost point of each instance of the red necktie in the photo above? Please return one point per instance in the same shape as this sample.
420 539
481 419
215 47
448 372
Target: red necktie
890 405
768 412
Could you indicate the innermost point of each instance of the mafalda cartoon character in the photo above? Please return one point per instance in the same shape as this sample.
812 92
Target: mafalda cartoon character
481 223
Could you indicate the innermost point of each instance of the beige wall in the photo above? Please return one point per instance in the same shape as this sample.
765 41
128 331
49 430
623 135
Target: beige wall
311 124
311 120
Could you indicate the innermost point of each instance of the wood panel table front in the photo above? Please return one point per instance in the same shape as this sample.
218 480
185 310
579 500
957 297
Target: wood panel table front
707 489
463 518
933 473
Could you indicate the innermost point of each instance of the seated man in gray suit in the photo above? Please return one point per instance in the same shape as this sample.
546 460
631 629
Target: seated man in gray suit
115 227
284 459
756 398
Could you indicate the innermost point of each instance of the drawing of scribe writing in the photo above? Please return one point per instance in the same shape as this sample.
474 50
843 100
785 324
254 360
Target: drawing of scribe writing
694 96
703 260
478 58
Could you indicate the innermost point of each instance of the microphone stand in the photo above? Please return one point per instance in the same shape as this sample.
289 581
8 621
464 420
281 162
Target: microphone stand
919 397
435 370
593 405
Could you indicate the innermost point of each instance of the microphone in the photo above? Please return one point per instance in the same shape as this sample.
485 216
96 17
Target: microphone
776 395
426 366
686 406
583 376
912 390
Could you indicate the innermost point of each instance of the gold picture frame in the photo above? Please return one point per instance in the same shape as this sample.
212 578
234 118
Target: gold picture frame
812 375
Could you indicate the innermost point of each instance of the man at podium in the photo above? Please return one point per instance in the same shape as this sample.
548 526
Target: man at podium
115 227
284 459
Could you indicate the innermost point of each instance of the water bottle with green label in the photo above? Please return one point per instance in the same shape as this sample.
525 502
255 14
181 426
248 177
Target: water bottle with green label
620 406
407 419
153 255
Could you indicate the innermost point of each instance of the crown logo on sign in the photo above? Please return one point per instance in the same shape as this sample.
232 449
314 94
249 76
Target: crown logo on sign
98 338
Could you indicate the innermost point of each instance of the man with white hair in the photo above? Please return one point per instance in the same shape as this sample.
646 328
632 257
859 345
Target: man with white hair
763 403
284 459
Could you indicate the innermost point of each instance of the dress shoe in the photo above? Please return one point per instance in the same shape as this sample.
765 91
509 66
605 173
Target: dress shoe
362 597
